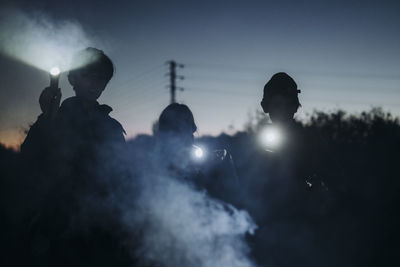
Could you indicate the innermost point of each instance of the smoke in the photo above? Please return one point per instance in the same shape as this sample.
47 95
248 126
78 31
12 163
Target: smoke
40 41
181 225
162 219
184 227
178 223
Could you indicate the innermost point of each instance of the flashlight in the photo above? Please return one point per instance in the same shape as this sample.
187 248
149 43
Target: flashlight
50 101
198 153
271 138
54 77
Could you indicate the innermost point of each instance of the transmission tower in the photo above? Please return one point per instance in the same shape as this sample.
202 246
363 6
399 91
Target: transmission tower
172 79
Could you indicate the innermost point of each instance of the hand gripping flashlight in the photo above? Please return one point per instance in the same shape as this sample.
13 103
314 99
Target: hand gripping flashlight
50 98
54 77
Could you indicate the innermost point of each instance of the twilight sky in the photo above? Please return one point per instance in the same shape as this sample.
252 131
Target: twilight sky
343 54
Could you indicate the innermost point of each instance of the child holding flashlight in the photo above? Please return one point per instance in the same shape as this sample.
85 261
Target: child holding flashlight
81 116
289 183
73 151
177 155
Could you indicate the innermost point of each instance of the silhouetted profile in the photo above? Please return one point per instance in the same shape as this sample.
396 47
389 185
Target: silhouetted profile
287 186
72 155
280 98
80 117
290 143
212 170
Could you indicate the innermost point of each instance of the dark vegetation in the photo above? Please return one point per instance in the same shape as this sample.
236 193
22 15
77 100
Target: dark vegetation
361 158
362 153
360 226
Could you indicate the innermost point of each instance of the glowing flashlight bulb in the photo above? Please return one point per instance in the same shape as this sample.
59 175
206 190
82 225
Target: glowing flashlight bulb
198 152
54 77
271 138
55 71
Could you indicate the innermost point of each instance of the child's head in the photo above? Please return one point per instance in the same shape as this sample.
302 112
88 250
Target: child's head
177 118
176 121
280 97
90 79
175 135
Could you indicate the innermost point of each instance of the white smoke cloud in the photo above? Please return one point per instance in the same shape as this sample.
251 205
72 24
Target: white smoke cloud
40 41
179 224
183 226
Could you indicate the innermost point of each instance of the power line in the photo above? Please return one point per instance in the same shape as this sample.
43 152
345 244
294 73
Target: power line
222 91
139 77
241 69
222 79
136 90
145 105
143 94
232 68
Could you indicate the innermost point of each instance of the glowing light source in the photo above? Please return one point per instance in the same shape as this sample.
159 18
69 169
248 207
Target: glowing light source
271 138
55 71
42 41
198 152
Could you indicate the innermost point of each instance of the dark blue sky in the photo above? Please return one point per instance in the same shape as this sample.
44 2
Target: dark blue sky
343 54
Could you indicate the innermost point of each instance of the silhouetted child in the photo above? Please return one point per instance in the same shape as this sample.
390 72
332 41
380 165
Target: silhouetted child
287 185
80 117
210 170
73 152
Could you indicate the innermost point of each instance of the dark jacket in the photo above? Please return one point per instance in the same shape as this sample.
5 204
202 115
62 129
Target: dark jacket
74 125
71 164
